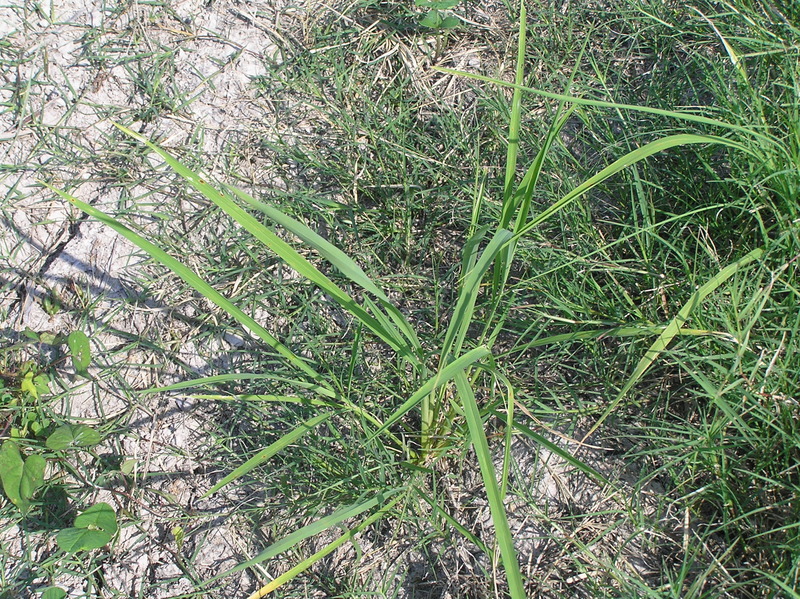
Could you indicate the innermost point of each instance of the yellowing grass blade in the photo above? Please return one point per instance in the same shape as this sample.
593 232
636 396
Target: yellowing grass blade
673 329
310 530
330 547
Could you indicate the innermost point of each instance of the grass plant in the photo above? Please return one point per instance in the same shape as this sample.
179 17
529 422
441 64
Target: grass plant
444 380
596 249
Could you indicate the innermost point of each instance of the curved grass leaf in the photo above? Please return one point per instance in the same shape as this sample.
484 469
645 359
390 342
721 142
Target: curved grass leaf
310 530
330 547
637 155
674 114
673 329
196 283
444 375
286 252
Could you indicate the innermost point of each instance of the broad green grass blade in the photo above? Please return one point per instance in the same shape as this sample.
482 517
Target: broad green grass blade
468 294
196 283
337 258
266 453
309 530
654 147
502 532
310 561
673 329
286 252
444 375
617 332
685 116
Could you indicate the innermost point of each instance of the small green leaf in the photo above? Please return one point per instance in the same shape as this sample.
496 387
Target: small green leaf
80 351
179 534
42 383
73 435
32 476
28 386
21 479
437 4
450 23
73 540
93 529
100 516
433 20
128 465
31 334
54 593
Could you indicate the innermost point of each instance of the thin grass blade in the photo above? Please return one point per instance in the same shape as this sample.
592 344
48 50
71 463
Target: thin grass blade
266 453
308 531
198 284
637 155
468 294
286 252
337 258
310 561
684 116
442 377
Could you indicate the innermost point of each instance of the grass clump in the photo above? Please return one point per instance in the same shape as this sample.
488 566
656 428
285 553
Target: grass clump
625 280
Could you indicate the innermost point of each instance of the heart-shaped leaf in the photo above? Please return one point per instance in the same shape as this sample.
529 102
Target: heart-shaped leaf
73 540
432 20
93 529
11 466
73 435
21 479
32 476
100 516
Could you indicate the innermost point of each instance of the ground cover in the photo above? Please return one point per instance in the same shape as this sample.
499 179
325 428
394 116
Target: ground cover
610 405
